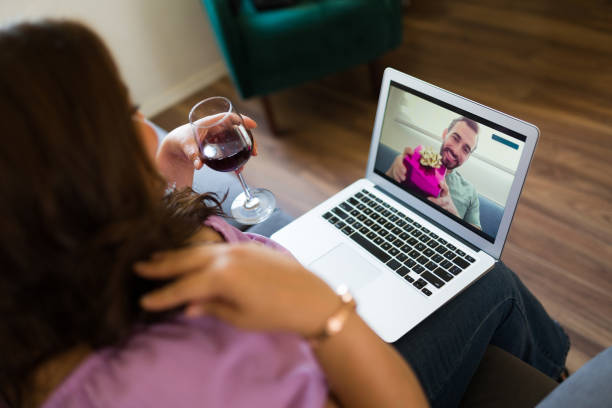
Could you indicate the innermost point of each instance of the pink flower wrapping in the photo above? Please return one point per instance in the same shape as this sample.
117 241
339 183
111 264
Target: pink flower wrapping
426 179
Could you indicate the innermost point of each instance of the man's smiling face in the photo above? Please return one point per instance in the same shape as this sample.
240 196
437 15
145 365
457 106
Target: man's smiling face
457 145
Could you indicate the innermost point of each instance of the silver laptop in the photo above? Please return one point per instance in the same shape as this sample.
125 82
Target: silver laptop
432 214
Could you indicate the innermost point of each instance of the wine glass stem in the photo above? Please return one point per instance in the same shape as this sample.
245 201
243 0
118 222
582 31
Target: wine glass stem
250 201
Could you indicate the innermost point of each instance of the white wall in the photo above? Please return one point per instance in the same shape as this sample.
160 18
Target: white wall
165 49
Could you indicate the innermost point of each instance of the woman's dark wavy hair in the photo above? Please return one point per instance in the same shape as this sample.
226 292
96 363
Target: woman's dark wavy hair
80 200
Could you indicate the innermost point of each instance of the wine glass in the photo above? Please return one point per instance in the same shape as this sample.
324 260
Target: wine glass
225 144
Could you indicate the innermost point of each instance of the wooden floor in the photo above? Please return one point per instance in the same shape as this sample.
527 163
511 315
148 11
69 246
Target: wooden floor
548 62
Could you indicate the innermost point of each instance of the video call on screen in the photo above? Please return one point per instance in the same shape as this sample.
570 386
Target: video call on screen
475 159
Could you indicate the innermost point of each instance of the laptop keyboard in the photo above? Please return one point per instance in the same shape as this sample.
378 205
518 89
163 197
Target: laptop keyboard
418 255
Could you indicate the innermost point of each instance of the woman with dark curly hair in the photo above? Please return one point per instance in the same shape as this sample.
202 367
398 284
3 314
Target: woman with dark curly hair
115 292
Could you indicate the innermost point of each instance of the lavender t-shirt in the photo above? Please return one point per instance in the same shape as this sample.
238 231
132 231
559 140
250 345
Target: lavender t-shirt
199 362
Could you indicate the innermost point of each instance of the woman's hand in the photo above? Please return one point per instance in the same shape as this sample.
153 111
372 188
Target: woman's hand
178 155
247 285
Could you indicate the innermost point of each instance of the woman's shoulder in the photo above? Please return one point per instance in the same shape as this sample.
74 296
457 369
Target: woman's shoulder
190 362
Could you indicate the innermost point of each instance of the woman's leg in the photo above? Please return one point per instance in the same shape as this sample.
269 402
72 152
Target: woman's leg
498 309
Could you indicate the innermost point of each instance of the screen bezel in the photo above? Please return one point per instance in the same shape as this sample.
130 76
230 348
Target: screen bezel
483 114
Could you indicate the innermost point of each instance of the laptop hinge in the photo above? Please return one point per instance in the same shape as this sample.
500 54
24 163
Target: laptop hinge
443 228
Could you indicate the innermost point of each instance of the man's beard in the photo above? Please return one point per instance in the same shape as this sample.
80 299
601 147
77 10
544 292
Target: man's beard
446 164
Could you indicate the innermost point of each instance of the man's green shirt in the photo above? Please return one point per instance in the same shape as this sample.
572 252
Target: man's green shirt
464 197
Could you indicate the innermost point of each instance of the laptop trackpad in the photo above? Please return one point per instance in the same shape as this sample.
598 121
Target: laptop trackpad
344 265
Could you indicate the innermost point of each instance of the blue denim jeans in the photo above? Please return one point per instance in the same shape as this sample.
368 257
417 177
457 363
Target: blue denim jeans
446 348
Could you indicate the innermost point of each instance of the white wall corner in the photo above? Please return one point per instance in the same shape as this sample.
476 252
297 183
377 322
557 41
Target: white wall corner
201 79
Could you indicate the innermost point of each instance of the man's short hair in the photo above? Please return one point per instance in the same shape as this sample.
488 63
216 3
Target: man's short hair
472 124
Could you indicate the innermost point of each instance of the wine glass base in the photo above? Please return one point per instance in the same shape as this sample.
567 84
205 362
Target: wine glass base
259 209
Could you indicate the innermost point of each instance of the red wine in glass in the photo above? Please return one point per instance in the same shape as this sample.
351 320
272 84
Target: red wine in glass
227 149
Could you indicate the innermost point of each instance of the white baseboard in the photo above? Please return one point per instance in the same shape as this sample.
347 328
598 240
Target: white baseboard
201 79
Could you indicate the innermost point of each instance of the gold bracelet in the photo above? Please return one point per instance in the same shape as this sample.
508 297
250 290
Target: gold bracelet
335 323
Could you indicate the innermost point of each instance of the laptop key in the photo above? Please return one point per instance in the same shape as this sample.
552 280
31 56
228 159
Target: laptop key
449 255
414 254
408 228
420 283
409 278
355 213
339 213
462 263
429 277
333 219
460 252
431 265
400 223
432 243
352 201
357 225
346 206
470 259
418 269
410 263
441 249
424 239
455 270
451 246
420 247
397 231
376 227
426 291
416 233
446 264
428 252
393 210
350 220
383 232
364 230
393 264
422 260
359 195
437 258
442 241
340 224
367 211
370 247
401 257
386 246
361 207
389 225
393 218
348 230
390 237
404 236
416 224
379 208
433 235
402 271
368 222
378 240
394 252
386 213
372 235
378 200
386 205
443 274
327 215
361 217
375 216
412 241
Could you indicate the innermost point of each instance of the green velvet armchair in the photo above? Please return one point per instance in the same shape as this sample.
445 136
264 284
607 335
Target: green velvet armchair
267 51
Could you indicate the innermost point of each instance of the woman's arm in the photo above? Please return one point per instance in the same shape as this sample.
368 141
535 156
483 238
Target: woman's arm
257 288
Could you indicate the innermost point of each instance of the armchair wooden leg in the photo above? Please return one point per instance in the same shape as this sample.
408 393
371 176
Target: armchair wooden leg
268 112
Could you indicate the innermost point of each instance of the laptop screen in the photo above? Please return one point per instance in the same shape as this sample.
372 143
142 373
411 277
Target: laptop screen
454 161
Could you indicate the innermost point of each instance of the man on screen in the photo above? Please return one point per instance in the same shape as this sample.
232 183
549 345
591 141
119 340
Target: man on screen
458 196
